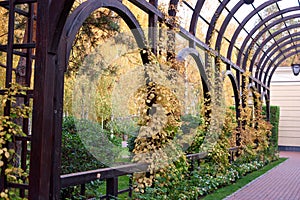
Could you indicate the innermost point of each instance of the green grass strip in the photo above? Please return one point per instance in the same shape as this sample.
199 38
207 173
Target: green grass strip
228 190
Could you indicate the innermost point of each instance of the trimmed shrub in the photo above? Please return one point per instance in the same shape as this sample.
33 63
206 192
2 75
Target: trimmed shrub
75 157
78 137
274 120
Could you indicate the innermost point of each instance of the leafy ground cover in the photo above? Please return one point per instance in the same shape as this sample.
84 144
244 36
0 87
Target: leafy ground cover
234 178
207 180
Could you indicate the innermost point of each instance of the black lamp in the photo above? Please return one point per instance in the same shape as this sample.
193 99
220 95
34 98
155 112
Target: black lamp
248 1
296 69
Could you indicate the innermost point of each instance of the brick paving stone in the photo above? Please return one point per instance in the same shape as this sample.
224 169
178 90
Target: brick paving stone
280 183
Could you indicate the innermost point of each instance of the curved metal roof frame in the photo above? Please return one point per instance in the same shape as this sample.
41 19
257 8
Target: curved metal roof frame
278 63
195 16
260 34
288 50
253 31
272 63
225 24
243 53
214 20
279 32
269 55
273 52
243 23
269 18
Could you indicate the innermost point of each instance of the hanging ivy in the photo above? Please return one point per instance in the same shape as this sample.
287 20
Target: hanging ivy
9 129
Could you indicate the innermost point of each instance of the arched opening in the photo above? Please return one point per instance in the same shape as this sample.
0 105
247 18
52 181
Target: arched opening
96 92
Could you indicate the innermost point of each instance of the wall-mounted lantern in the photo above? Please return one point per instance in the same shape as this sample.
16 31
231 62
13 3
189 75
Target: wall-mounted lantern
296 69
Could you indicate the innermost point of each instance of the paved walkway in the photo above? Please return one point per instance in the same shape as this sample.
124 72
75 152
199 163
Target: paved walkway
280 183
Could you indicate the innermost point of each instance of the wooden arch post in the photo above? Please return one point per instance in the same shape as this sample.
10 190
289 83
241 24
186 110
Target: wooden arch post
51 17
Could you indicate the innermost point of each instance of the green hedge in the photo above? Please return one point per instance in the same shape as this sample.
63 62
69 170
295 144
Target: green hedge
75 157
274 120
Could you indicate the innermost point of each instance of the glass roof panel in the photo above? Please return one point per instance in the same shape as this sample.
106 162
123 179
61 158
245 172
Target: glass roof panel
268 10
209 8
163 4
257 3
185 15
291 13
252 22
232 26
190 2
221 19
241 38
273 20
291 3
295 30
243 12
201 30
231 4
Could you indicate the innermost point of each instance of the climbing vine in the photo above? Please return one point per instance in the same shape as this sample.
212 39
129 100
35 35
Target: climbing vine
254 131
9 129
160 139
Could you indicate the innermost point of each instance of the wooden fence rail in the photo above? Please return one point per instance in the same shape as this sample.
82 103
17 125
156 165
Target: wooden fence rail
111 174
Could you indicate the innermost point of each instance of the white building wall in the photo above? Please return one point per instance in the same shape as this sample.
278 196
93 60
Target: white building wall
285 92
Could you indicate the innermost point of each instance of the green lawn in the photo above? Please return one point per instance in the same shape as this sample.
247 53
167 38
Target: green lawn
227 190
123 184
